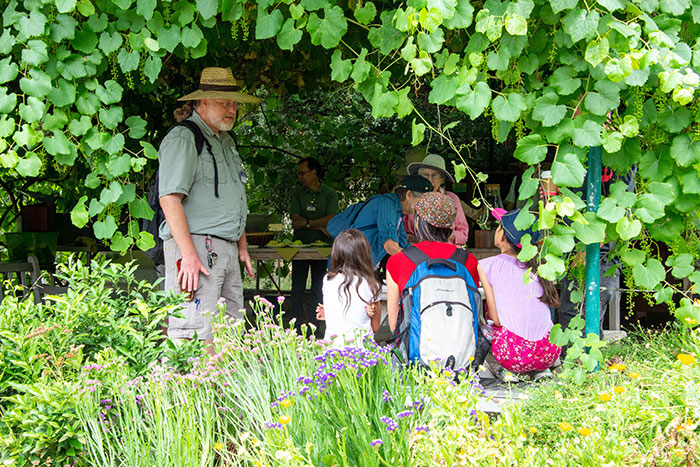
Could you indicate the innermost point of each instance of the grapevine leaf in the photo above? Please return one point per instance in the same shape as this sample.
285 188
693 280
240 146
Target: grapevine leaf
509 109
649 276
366 13
105 229
567 170
592 232
628 229
475 101
547 111
531 149
462 18
288 35
8 70
267 25
327 31
79 214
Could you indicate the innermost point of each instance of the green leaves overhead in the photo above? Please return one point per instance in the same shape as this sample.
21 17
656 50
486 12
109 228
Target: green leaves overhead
508 108
552 78
327 31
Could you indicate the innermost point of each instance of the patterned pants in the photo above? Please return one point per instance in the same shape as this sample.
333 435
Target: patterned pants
519 355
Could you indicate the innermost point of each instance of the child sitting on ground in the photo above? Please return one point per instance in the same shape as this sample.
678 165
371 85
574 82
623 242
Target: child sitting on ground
521 314
351 305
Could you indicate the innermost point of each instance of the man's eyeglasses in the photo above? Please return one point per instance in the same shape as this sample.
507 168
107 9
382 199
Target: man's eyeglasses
226 103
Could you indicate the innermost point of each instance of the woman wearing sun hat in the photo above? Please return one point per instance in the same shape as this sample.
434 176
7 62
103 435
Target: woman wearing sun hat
432 167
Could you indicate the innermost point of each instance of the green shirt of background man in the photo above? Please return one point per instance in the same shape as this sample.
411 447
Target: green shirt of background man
312 205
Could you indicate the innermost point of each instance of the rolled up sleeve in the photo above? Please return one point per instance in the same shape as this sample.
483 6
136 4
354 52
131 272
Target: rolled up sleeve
177 158
387 223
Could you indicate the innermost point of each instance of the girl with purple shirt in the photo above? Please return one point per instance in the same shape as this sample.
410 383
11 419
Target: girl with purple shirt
519 311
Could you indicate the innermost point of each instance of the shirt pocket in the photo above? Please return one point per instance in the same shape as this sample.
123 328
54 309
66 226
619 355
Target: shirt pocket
206 170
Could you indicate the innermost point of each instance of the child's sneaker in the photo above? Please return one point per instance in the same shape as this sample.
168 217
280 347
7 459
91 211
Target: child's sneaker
544 374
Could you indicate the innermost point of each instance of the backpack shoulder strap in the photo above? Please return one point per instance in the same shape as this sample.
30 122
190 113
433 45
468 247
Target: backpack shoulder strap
199 139
460 256
416 255
199 142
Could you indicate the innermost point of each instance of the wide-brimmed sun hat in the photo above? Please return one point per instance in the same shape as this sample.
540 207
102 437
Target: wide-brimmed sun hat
437 209
431 161
219 83
507 219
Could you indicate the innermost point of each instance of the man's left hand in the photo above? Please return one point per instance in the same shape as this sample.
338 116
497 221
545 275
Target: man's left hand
244 257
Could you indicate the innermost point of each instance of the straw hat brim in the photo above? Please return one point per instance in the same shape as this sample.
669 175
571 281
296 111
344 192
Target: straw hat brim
231 95
413 170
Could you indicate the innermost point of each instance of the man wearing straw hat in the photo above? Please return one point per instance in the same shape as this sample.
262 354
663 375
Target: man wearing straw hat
204 201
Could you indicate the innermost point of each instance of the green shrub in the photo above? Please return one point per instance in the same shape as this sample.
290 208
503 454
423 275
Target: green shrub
105 318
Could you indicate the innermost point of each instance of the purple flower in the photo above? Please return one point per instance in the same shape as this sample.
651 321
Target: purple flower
391 424
405 413
280 299
376 442
272 426
386 396
422 428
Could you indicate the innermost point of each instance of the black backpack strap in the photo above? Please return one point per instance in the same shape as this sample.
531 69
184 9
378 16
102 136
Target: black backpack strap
199 142
460 256
416 255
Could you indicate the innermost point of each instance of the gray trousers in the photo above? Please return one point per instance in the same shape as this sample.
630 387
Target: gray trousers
608 287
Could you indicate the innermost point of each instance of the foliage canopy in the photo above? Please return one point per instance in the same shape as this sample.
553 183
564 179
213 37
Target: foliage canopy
559 76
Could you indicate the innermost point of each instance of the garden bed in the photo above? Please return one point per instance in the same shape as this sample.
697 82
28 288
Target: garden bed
88 380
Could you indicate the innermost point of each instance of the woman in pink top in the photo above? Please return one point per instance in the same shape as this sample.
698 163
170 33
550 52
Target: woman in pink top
432 167
521 311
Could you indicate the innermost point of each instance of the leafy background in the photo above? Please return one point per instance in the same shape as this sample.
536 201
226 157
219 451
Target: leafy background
87 88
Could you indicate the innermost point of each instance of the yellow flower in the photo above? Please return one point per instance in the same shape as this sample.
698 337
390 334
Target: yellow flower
617 367
284 419
285 403
619 389
605 397
448 374
533 429
691 321
218 446
565 426
686 359
584 431
633 374
471 359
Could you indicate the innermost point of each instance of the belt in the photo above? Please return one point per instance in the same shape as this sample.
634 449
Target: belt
218 238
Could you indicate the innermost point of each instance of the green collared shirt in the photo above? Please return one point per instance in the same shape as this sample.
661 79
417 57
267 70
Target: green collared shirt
311 205
183 171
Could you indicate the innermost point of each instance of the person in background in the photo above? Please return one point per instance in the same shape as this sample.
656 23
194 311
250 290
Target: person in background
351 306
313 205
204 202
520 313
380 218
432 167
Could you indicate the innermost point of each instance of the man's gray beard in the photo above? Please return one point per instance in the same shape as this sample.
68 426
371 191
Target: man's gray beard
223 126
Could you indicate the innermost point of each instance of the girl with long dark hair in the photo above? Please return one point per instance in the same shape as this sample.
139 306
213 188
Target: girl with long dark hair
350 291
521 313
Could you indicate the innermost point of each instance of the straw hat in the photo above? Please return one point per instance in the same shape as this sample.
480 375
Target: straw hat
431 161
219 83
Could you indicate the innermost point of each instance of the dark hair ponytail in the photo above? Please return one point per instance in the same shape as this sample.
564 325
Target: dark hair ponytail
550 295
